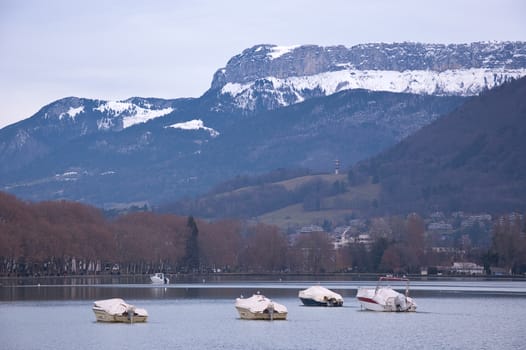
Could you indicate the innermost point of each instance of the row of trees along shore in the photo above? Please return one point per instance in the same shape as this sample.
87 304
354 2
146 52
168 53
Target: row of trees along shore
59 237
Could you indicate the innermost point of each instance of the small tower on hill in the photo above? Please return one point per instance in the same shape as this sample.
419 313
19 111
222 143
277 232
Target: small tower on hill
336 166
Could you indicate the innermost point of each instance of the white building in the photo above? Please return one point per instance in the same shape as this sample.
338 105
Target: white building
467 268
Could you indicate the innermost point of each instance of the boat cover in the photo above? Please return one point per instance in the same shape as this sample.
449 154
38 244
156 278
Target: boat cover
319 294
117 306
259 303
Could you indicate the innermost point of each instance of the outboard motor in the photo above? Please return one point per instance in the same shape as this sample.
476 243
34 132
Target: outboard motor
271 311
130 313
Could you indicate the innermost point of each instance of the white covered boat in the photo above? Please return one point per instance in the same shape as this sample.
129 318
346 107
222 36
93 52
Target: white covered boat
320 296
117 310
384 298
259 307
159 278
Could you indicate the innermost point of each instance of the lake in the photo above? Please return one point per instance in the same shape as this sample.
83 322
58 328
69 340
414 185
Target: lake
452 314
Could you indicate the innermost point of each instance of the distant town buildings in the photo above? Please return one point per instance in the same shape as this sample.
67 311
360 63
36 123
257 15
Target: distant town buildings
449 239
467 268
440 226
311 228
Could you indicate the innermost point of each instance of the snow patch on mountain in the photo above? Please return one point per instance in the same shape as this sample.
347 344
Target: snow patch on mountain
278 51
131 113
195 124
461 82
71 113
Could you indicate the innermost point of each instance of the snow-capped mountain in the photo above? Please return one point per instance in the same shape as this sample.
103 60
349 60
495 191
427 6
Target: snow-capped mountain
67 119
106 115
286 91
270 76
308 105
128 113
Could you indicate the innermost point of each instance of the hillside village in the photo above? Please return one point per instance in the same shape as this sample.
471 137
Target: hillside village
456 240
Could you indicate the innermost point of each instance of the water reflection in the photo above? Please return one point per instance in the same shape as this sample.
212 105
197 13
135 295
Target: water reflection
138 287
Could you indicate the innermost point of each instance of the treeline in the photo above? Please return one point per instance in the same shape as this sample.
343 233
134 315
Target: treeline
65 237
56 238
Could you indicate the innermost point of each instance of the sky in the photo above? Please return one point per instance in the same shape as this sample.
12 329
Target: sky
113 50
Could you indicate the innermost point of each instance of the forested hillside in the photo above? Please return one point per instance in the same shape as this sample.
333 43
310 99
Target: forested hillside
469 160
472 159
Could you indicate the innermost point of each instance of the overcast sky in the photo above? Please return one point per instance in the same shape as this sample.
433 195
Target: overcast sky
114 50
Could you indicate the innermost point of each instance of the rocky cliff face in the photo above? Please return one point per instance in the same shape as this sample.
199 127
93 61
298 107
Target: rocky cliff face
263 61
269 76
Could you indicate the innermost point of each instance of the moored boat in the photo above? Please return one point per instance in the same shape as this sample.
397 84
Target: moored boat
385 298
259 307
117 310
159 278
320 296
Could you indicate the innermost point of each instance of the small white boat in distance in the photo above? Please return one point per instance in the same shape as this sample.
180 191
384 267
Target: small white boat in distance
320 296
258 307
159 278
384 298
117 310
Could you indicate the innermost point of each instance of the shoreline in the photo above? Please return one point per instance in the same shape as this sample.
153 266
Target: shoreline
270 277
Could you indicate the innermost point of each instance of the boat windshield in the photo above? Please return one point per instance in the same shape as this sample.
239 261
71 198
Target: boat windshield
384 281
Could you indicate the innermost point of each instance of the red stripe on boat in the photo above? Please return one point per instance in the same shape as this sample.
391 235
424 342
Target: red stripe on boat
367 300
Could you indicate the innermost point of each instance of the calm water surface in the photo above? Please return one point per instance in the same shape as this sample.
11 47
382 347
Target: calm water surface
451 315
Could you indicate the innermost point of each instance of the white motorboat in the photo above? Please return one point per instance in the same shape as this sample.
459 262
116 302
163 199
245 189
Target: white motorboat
159 278
258 307
384 298
320 296
117 310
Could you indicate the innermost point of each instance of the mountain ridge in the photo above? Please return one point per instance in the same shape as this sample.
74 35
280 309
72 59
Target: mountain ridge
260 61
148 149
160 162
271 76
